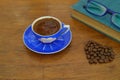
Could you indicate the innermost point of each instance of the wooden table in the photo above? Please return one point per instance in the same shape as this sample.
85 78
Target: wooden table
19 63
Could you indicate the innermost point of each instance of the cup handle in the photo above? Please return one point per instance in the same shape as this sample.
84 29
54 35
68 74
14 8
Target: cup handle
67 29
63 31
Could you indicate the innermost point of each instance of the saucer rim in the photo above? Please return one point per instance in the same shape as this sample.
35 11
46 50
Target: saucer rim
53 52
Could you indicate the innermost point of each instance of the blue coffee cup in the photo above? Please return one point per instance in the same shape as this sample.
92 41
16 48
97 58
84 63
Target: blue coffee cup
50 38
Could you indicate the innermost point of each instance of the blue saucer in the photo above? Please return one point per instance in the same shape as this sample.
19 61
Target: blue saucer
35 45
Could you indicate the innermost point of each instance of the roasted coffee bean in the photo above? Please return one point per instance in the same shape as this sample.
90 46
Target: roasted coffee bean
91 61
108 54
98 54
101 61
110 59
101 52
97 47
106 50
95 44
87 52
106 57
89 43
102 57
95 55
88 56
92 57
86 49
92 47
95 61
110 50
91 53
106 60
87 46
89 49
94 50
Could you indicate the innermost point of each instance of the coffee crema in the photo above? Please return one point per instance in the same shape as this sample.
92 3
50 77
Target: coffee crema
47 26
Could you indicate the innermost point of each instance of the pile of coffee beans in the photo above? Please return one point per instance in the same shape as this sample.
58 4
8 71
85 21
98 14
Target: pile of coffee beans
97 53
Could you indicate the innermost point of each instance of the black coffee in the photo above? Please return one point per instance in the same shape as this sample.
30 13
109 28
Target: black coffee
46 26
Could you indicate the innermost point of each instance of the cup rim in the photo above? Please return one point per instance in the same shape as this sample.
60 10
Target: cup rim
43 17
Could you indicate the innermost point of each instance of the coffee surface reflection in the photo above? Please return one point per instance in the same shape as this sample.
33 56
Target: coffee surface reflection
47 26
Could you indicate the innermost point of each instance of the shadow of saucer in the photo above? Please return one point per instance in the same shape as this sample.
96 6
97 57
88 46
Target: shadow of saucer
48 57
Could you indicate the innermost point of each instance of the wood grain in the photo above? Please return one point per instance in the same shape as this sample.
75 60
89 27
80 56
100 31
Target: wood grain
19 63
